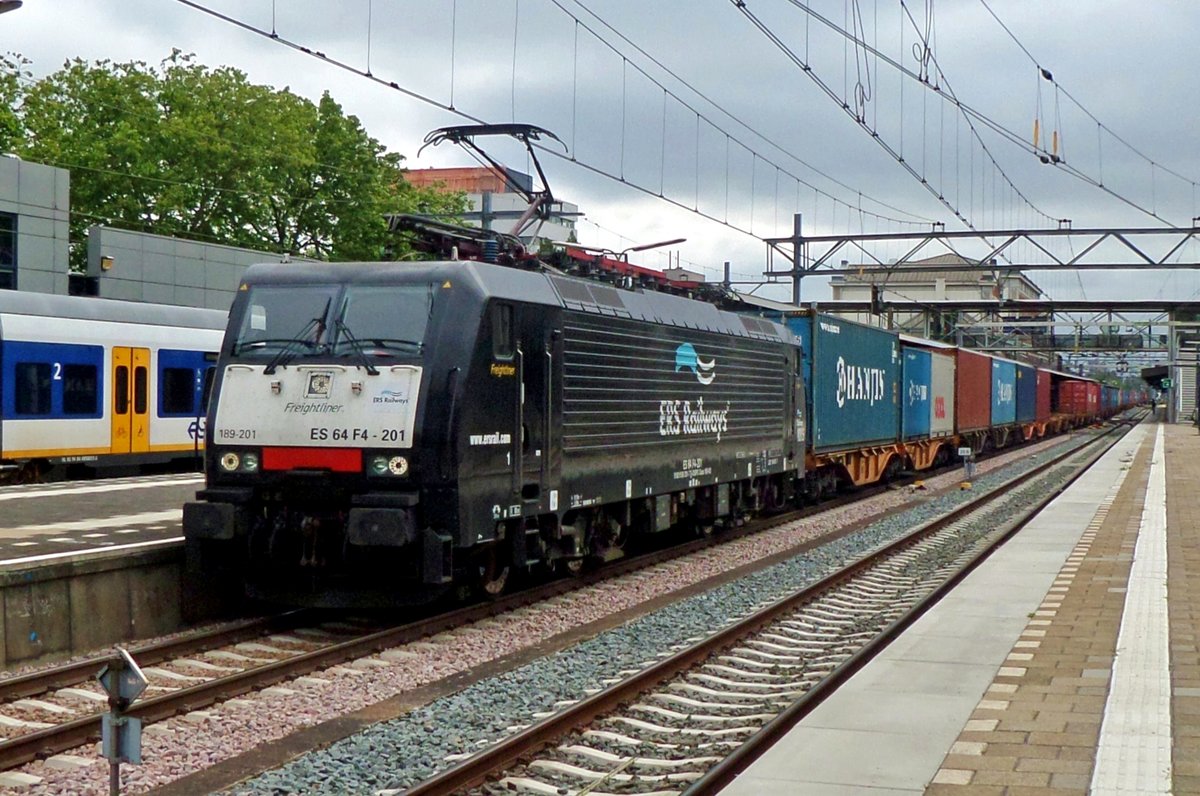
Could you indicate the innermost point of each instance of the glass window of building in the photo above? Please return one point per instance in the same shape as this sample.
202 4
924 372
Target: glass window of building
8 251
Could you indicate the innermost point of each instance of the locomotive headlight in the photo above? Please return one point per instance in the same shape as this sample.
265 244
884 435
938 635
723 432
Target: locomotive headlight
379 465
250 462
397 465
230 462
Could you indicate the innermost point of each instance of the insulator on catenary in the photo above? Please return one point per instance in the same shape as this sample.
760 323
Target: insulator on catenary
491 251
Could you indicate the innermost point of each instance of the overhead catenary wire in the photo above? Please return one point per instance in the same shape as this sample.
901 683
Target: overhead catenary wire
1100 126
191 234
975 114
897 155
224 141
740 122
942 86
428 100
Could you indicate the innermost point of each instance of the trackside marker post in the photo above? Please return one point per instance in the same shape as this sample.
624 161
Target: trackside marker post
121 735
968 457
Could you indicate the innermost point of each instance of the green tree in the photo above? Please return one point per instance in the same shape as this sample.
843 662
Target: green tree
12 71
185 150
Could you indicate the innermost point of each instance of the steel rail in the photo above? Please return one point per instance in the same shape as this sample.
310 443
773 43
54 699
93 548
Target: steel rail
509 751
73 673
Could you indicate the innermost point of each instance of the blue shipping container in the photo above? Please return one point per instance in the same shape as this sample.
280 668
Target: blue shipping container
1004 392
852 375
1026 393
916 376
1108 399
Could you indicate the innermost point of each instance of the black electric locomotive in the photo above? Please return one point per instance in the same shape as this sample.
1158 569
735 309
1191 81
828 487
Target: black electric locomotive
381 433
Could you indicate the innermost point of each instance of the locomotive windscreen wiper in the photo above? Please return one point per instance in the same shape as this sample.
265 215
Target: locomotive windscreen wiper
395 342
355 345
317 325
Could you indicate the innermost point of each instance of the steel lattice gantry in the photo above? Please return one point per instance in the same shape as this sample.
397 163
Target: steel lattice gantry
1126 334
992 251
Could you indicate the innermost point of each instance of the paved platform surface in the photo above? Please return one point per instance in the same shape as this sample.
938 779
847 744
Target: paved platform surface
61 519
1013 684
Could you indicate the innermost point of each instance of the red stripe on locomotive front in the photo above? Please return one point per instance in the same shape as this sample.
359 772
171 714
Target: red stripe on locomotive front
339 460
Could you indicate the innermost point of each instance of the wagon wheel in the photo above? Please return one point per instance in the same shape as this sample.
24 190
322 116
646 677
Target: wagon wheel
492 573
892 469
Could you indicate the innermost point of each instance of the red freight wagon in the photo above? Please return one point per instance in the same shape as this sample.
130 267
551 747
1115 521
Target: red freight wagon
1043 395
973 392
1073 397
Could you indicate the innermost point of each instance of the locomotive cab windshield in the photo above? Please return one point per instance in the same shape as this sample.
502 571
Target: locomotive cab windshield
333 321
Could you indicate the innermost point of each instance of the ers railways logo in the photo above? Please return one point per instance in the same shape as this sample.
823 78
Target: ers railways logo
684 417
686 358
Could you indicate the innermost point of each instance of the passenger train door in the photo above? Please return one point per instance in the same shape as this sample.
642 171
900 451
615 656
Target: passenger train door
130 400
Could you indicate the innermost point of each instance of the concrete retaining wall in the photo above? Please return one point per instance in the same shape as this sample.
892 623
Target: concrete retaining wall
82 605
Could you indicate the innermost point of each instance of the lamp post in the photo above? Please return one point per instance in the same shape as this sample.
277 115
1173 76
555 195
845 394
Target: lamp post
9 5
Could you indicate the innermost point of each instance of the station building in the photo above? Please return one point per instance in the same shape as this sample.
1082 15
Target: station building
35 211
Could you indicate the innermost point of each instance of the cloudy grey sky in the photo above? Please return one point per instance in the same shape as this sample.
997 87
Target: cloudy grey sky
761 140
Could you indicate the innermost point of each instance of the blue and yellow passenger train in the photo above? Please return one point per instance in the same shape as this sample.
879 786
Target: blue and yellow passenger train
88 384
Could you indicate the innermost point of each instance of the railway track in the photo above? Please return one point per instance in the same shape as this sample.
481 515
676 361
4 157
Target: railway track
695 719
241 657
61 706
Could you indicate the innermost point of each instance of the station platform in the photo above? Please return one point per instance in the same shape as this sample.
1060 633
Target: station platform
1059 666
47 523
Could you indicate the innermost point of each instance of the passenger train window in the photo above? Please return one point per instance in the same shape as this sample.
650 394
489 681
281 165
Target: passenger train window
81 392
139 391
121 390
502 331
178 387
33 388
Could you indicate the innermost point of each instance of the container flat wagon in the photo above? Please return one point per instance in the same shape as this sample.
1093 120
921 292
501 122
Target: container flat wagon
852 374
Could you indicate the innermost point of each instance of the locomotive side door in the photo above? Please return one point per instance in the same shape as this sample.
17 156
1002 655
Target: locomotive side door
130 400
535 356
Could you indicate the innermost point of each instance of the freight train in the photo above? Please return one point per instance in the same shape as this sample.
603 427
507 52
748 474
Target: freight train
386 433
945 399
88 384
